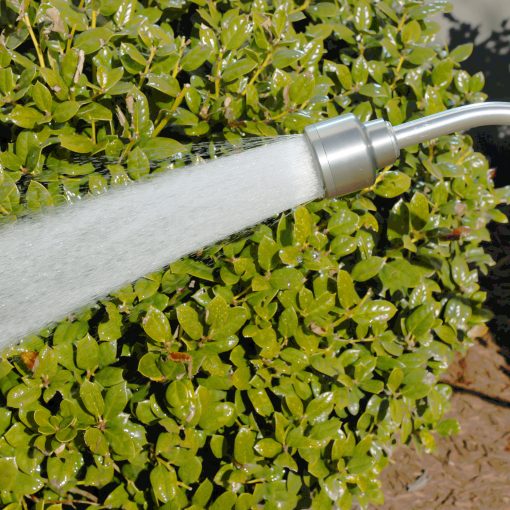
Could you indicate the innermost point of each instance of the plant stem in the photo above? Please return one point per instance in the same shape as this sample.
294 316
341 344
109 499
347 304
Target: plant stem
176 68
40 56
175 105
73 30
301 7
264 64
217 74
147 66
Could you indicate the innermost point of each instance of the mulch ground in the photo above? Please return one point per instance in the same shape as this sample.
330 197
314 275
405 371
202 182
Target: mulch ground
472 469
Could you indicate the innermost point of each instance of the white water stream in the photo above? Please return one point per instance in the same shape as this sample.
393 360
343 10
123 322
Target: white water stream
57 262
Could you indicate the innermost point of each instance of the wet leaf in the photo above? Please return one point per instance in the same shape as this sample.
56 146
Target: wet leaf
189 321
376 311
90 394
25 117
366 269
393 184
156 325
77 143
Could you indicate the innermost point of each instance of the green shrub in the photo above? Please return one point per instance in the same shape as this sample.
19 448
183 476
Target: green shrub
276 370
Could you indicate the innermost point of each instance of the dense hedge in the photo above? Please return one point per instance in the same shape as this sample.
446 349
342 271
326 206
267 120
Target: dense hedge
277 370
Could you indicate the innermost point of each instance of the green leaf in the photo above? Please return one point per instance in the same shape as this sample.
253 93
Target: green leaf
235 33
477 82
203 494
108 78
243 446
287 279
261 401
217 416
10 160
137 163
342 245
148 367
301 89
25 117
420 322
164 483
92 39
288 322
302 225
166 84
284 57
462 52
420 54
8 473
190 471
457 313
448 427
147 287
266 250
156 325
111 329
442 75
7 81
125 12
62 112
395 379
116 399
94 112
319 409
346 291
400 274
189 321
22 396
462 79
419 210
238 68
376 311
393 184
90 394
411 32
343 222
217 311
87 353
96 441
77 143
195 57
268 447
38 196
366 269
362 15
359 71
42 97
161 148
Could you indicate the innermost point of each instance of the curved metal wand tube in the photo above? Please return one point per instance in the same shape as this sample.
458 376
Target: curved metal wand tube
452 121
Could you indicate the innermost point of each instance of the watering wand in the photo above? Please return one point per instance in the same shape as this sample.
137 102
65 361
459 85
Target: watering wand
348 152
79 254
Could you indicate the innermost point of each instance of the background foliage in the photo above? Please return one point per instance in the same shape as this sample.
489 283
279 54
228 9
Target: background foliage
276 370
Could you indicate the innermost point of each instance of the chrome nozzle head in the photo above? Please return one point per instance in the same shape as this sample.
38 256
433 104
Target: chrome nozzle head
349 152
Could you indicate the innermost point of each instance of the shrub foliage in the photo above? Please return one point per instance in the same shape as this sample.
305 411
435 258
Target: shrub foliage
276 370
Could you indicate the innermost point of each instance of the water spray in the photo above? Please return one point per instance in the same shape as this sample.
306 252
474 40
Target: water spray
59 261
